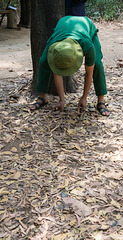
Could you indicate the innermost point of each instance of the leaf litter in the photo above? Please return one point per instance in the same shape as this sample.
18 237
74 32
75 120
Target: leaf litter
61 174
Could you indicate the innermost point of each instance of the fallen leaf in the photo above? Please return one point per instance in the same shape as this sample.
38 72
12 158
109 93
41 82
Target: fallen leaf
62 157
16 175
72 223
14 149
78 206
115 204
98 235
6 153
62 236
104 227
4 200
3 234
3 191
91 200
78 192
116 236
9 182
28 157
120 222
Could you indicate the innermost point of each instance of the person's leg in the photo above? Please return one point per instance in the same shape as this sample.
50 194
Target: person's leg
78 9
99 75
68 11
43 79
99 78
41 101
68 7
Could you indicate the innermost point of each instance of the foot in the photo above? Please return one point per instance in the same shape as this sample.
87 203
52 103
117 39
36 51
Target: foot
102 109
38 104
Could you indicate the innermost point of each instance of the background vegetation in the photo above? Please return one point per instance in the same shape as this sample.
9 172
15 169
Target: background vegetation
107 9
96 9
14 3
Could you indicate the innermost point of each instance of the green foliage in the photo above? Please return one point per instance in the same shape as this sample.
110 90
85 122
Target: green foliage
107 9
13 3
96 9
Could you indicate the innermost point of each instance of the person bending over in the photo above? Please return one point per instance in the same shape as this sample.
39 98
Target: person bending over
73 38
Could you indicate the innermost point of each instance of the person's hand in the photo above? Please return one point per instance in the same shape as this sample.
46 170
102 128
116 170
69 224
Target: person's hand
59 105
82 104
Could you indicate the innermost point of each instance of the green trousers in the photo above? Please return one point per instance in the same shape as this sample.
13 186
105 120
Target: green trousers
98 74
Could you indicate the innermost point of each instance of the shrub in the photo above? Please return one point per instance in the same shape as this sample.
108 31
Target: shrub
107 9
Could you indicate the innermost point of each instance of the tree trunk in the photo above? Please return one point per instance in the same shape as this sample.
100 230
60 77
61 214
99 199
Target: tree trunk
12 19
44 17
25 13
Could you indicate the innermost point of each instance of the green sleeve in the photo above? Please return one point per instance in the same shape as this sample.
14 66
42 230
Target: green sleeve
90 57
88 51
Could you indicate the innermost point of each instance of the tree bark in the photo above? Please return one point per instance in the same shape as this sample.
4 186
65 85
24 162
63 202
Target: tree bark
25 13
12 19
44 17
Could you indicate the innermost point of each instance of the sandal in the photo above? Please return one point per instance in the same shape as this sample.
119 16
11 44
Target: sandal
38 104
102 109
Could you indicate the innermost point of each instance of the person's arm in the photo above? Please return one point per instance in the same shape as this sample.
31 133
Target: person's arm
87 85
60 89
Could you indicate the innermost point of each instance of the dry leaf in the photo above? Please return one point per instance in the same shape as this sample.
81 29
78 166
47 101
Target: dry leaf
3 191
77 192
115 204
44 152
62 236
98 235
16 175
3 234
120 222
6 153
14 149
78 206
4 200
28 157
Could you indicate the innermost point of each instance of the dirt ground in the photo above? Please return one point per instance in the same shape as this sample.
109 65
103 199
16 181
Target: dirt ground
61 174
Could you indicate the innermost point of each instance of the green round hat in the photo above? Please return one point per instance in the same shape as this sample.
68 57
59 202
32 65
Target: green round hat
65 57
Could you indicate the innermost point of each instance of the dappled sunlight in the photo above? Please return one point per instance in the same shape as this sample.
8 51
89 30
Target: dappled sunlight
60 171
9 64
15 52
